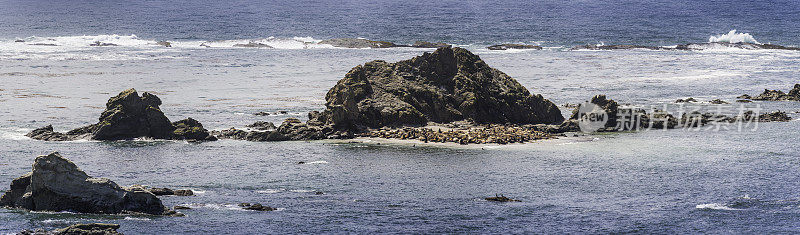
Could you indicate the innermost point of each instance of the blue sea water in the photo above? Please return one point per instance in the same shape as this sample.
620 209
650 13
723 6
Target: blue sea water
645 182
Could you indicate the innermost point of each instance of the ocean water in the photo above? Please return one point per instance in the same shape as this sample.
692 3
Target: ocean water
674 181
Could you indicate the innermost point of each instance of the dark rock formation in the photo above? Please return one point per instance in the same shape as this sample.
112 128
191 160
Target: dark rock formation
447 85
290 129
513 46
19 40
718 101
424 44
262 126
170 192
129 116
255 207
57 184
687 100
164 43
253 45
262 114
79 229
501 198
190 129
357 43
776 95
608 105
102 44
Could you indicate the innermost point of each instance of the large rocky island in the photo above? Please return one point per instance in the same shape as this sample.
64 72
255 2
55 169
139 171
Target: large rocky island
446 86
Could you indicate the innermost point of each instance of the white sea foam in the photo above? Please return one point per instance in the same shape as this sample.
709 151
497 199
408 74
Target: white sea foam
270 191
733 37
317 162
137 219
715 206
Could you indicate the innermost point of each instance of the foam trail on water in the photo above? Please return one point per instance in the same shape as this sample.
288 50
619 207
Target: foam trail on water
734 37
715 206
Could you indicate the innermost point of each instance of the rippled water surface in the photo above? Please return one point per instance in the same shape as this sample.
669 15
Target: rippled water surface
648 182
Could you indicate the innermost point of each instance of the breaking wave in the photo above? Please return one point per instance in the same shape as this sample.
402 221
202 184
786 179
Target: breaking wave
733 37
715 206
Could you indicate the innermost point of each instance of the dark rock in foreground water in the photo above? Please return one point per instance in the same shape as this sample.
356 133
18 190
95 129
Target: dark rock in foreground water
255 207
102 44
253 45
57 184
129 116
513 46
450 84
501 198
79 229
357 43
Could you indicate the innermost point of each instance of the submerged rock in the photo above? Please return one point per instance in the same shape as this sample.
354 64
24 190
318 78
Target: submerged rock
57 184
424 44
19 40
614 47
450 84
255 207
129 116
513 46
690 46
357 43
687 100
102 44
501 198
164 43
79 229
718 101
253 45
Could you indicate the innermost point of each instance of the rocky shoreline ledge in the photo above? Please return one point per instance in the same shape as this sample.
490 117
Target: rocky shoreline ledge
449 95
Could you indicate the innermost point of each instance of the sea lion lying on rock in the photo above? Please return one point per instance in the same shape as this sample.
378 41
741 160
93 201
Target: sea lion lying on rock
129 116
57 184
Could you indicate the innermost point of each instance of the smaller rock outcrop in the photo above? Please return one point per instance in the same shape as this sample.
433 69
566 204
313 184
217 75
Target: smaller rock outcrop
357 43
192 130
57 184
687 100
252 45
614 47
255 207
129 116
776 95
164 43
501 198
102 44
79 229
262 126
514 46
170 192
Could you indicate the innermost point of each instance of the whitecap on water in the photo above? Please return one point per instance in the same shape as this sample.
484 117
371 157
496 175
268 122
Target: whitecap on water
136 218
733 37
715 206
